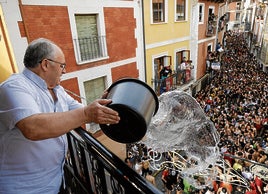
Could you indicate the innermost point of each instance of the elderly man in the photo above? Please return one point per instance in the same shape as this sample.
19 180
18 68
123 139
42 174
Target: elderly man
35 115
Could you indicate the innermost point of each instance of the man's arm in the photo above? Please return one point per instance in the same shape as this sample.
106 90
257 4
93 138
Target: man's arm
49 125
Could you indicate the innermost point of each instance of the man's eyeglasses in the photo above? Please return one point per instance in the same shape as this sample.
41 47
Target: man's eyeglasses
62 65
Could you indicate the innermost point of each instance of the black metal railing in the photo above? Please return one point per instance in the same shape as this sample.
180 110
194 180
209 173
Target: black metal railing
173 82
90 48
92 168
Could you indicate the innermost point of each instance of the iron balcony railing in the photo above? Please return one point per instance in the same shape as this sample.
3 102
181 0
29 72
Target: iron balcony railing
92 169
90 48
172 82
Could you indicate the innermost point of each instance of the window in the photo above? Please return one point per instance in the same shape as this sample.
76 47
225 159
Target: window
159 84
238 6
211 16
161 61
237 16
201 12
158 11
94 89
180 10
209 48
180 55
89 44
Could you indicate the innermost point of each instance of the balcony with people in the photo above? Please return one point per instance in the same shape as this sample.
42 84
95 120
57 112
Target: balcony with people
211 25
169 79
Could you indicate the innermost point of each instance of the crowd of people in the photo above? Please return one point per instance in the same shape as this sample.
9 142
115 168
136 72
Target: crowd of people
236 101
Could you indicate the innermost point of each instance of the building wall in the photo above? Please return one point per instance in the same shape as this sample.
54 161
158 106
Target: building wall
165 39
232 10
55 20
204 40
232 16
202 27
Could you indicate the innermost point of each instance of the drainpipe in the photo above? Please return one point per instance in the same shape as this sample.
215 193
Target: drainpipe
144 45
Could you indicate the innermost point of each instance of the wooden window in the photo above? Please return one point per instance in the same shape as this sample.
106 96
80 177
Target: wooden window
180 10
158 11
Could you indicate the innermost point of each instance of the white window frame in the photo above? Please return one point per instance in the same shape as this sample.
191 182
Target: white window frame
165 10
186 11
73 10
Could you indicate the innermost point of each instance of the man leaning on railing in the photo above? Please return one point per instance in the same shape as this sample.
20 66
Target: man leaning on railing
35 115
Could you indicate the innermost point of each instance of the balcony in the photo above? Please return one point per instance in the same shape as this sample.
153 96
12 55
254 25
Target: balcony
211 28
175 81
91 48
92 168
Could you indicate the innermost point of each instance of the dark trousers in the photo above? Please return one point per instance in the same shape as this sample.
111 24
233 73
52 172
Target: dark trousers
62 189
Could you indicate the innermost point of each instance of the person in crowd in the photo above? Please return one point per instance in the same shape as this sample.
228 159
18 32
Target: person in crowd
164 72
180 185
164 176
150 177
237 96
128 162
145 167
138 166
35 115
208 61
182 71
247 174
259 184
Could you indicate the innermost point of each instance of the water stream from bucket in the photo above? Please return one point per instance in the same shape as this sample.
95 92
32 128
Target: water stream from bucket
182 129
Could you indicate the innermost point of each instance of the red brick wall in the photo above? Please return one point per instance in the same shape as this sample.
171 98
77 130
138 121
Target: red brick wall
129 70
120 24
50 22
72 85
55 25
201 61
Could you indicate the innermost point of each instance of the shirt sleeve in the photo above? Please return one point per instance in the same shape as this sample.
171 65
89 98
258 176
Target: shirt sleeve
17 103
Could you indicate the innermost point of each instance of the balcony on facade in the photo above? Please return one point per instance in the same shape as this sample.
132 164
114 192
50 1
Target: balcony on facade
211 25
173 82
91 168
90 48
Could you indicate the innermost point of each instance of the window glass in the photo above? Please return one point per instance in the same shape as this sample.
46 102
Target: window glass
201 12
94 89
158 11
180 10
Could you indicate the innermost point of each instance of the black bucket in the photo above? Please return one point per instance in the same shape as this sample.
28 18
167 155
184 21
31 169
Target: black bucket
136 103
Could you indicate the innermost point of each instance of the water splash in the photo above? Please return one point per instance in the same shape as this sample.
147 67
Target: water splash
181 126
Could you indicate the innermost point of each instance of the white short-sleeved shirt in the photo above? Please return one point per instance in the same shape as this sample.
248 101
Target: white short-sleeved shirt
30 166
